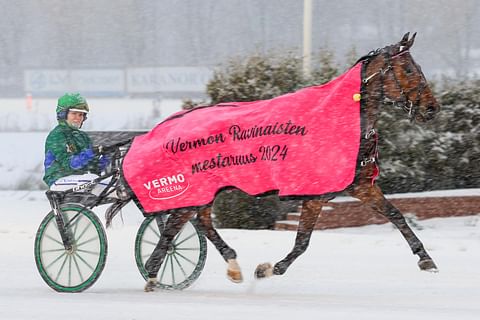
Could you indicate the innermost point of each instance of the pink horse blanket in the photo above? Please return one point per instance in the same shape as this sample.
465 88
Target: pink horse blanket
302 143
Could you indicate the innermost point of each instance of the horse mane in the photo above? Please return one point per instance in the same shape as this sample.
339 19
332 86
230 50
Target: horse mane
391 50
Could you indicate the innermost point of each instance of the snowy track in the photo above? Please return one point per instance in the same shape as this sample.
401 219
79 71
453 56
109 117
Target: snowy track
356 273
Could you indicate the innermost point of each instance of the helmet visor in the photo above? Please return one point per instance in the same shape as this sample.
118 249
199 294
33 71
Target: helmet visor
78 110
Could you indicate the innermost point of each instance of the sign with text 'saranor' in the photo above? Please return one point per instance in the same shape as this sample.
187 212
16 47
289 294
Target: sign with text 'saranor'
302 143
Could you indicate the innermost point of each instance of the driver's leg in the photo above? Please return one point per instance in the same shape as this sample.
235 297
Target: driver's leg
71 181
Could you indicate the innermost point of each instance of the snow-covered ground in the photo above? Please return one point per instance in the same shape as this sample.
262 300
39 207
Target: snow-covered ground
355 273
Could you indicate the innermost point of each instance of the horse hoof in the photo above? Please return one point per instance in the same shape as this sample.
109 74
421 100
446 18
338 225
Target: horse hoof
234 273
151 284
234 276
427 265
264 270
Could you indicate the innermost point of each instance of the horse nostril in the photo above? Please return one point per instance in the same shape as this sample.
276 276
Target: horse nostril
431 110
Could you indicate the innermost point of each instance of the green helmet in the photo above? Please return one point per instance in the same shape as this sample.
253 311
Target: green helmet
71 102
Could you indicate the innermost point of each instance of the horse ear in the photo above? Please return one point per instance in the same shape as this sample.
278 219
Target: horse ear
405 43
410 42
404 39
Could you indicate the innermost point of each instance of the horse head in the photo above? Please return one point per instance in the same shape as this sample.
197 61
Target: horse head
393 78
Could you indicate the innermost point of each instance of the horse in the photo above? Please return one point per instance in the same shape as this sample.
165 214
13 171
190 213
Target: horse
390 78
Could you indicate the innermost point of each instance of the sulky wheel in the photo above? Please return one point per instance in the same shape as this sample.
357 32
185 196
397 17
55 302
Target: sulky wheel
78 268
184 261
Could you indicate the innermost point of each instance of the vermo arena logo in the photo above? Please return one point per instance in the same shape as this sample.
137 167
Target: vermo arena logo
166 187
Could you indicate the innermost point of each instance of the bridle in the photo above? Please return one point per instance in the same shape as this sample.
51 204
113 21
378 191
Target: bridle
369 145
404 102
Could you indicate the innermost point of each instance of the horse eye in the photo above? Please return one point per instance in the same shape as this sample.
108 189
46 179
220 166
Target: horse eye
408 70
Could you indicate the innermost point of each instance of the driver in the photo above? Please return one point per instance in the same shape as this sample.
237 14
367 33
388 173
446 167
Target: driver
69 157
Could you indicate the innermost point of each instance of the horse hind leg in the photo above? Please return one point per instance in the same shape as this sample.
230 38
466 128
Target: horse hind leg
173 225
373 196
234 272
308 217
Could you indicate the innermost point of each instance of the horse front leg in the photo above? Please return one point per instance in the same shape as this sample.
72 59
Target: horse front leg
173 225
308 217
229 255
373 196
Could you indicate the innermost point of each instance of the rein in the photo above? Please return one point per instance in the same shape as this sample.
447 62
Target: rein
404 102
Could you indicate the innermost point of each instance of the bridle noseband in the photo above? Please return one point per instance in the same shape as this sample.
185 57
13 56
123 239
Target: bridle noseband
403 102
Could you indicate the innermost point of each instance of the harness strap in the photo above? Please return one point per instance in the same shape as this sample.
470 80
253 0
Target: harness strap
371 152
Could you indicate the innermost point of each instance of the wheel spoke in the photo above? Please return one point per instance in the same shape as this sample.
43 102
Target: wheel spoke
155 231
173 272
78 269
94 238
187 249
84 230
164 267
61 268
185 258
85 262
181 268
69 270
75 229
73 220
146 256
97 253
187 238
54 261
149 242
54 250
176 236
54 223
54 240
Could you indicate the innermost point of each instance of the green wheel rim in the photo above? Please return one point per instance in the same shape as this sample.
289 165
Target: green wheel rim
183 264
78 269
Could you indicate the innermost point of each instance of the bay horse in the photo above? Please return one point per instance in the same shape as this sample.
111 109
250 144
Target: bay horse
389 79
